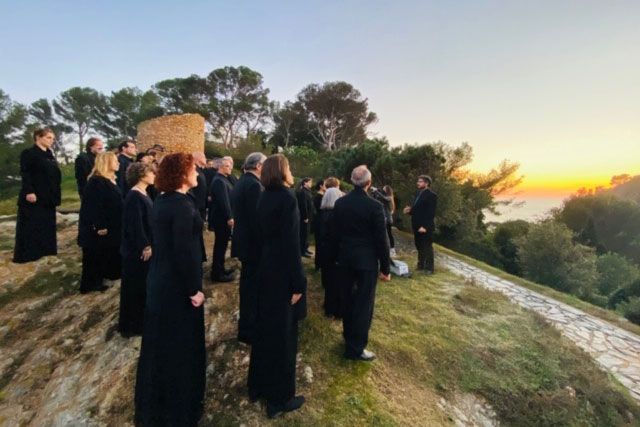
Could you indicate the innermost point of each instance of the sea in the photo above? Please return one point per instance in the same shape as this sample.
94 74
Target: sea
529 208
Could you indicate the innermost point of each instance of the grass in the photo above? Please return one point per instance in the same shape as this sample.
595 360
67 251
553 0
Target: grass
68 187
608 315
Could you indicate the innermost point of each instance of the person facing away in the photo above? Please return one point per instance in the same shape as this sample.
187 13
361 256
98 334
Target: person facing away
100 225
127 155
245 243
359 237
135 248
272 368
85 161
221 221
307 211
170 380
39 195
423 212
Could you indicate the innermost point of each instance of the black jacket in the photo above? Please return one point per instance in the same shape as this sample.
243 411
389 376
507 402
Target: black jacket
220 210
423 211
101 208
40 175
136 224
305 204
245 243
200 192
359 234
83 165
121 175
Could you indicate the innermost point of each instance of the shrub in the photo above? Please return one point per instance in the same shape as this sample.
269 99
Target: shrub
631 310
615 271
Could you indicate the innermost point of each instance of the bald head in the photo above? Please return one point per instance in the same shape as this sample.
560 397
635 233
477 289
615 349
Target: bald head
199 158
361 177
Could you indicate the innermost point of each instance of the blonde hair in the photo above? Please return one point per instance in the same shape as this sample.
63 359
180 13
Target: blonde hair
102 165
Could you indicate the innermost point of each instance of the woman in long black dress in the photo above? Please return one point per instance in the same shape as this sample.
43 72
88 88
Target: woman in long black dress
171 370
136 248
39 196
100 225
272 370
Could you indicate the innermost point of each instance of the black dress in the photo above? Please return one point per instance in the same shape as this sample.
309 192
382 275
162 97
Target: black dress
171 370
101 209
136 235
272 370
335 290
36 222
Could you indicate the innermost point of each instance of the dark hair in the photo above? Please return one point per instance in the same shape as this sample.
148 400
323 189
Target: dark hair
40 132
173 171
319 184
274 172
303 181
136 171
124 144
91 142
426 178
141 156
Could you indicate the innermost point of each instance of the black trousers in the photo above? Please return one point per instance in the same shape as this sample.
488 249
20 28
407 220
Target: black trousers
222 234
248 300
360 294
392 241
335 298
99 263
424 245
304 237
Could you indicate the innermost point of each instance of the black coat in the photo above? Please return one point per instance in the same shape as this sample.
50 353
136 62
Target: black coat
423 211
40 175
101 209
83 166
359 234
305 204
220 210
171 370
324 251
121 175
280 275
136 224
245 243
200 192
36 222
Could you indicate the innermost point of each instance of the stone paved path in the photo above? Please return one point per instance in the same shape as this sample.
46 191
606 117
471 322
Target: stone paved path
615 349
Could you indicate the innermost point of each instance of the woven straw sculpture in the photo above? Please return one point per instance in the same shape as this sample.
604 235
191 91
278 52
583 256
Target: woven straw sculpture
182 133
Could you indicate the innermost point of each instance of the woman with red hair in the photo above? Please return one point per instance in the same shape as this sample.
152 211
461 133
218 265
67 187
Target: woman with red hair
171 370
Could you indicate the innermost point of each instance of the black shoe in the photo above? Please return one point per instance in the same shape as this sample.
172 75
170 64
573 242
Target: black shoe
294 403
222 279
100 288
307 255
229 271
244 338
365 356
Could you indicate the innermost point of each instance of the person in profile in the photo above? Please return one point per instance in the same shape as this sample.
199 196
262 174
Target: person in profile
39 195
307 211
136 248
245 243
127 155
272 369
170 379
200 191
100 225
359 237
221 221
385 196
423 212
85 161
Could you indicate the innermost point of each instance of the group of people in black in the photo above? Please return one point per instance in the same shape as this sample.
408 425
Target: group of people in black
143 222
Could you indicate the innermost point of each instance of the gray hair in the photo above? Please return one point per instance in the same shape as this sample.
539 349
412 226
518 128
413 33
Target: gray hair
253 160
229 158
330 197
361 176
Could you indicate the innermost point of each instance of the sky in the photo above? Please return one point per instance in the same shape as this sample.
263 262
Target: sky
552 85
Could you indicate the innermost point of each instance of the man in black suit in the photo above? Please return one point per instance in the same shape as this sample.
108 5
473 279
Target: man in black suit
85 161
232 178
221 221
359 237
423 212
127 150
307 211
245 243
200 191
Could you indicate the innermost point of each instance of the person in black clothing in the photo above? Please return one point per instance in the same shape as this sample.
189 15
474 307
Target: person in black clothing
423 212
221 221
317 201
231 177
385 196
100 225
136 249
359 237
199 192
84 162
170 380
307 211
272 369
334 293
37 201
127 154
245 242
